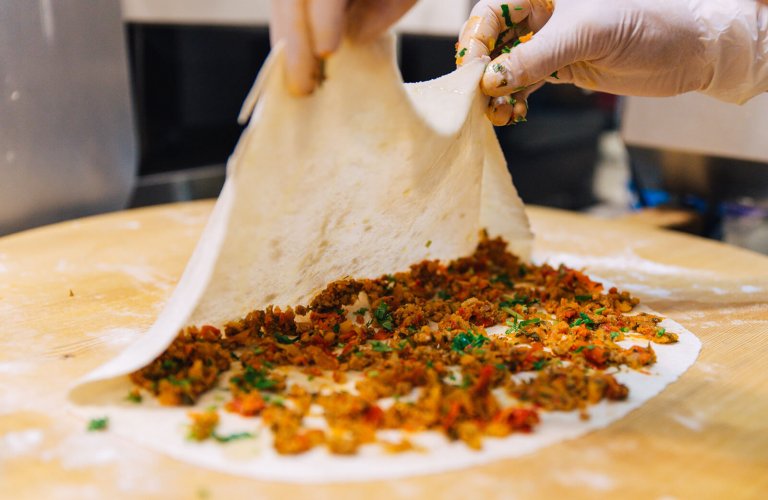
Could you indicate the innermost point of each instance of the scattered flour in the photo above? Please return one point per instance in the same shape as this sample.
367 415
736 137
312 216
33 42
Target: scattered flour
587 478
14 444
691 422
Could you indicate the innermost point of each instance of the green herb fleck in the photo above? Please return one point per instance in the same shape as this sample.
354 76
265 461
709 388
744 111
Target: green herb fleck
554 75
583 298
625 329
498 68
170 364
231 437
505 14
468 339
443 295
614 335
585 320
98 424
429 242
660 332
383 317
503 278
373 373
134 397
379 346
517 326
254 379
579 349
361 311
600 311
461 52
517 299
284 339
538 365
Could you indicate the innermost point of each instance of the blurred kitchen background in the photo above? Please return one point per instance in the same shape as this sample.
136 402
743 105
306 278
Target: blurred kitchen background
113 104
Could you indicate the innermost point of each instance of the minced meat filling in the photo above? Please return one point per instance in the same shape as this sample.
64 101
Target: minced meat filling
411 351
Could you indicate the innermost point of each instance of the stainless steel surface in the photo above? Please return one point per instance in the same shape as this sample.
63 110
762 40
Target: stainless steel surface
66 131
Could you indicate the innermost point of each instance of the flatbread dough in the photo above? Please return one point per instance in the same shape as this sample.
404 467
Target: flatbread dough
354 180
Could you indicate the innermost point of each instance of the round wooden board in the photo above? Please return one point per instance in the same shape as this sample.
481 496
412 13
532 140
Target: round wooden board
73 295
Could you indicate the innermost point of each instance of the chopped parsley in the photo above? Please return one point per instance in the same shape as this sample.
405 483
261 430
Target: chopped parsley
660 332
231 437
498 68
468 339
384 317
517 299
583 298
285 339
429 242
585 320
380 346
517 326
504 279
98 424
443 295
361 311
170 364
254 379
180 382
505 14
538 365
134 397
461 52
614 335
600 311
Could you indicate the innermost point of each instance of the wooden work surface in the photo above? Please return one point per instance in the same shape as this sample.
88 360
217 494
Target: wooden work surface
74 294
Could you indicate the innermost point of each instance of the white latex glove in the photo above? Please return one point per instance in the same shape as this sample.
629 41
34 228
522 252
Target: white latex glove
628 47
313 29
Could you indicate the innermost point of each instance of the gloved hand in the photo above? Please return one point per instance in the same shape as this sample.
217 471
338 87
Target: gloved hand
629 47
313 29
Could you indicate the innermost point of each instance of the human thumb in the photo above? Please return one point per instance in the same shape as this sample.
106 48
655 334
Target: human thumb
531 62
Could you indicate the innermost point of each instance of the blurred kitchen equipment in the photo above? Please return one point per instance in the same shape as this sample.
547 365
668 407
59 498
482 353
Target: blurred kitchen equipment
745 224
193 62
693 146
66 131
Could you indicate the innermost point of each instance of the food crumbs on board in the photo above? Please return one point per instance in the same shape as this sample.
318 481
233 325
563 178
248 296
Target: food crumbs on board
422 344
71 293
428 244
98 424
